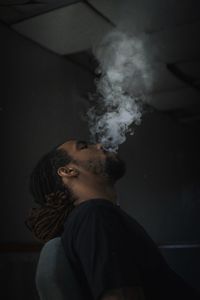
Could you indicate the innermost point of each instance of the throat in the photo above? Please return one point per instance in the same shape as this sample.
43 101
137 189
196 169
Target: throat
104 192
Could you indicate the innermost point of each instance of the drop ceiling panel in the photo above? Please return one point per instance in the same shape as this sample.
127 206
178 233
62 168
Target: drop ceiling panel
158 79
147 16
178 44
177 99
38 7
65 30
17 10
191 68
172 30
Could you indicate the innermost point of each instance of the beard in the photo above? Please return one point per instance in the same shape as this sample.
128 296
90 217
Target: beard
112 168
115 168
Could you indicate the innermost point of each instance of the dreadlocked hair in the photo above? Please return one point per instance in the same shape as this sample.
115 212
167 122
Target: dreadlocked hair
55 201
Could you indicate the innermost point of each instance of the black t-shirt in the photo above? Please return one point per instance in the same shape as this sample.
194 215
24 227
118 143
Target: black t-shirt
108 249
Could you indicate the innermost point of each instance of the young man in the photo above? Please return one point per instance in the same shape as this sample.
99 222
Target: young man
110 254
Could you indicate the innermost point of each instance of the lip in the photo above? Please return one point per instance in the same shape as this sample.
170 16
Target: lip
110 153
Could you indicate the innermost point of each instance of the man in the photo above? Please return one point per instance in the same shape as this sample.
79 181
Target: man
110 254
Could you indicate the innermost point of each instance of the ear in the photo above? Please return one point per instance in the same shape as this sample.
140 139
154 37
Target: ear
67 172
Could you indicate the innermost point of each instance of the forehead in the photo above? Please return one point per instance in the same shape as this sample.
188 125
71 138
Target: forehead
68 145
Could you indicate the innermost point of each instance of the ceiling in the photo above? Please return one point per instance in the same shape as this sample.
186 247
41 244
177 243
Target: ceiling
71 28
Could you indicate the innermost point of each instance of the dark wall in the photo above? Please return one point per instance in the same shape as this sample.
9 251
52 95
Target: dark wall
40 108
162 189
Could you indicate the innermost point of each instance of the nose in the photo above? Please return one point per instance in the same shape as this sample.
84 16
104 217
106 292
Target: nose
99 146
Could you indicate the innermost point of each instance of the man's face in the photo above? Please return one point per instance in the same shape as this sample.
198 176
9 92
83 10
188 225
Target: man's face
93 158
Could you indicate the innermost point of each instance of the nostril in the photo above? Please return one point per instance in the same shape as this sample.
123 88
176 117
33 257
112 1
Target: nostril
99 146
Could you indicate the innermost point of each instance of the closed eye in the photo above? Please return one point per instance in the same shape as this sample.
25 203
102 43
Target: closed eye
81 145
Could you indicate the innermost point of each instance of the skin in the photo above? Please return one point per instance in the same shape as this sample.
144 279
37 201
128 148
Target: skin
90 183
82 182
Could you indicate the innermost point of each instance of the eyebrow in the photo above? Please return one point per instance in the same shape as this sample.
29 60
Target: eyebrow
78 143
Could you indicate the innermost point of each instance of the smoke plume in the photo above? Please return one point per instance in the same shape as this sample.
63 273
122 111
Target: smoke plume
120 89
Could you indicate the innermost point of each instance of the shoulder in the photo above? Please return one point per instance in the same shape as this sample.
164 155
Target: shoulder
98 207
87 222
92 213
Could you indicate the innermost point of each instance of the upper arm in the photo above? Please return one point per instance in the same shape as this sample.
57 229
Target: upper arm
125 293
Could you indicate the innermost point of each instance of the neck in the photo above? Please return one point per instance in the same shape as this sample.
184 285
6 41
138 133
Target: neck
94 189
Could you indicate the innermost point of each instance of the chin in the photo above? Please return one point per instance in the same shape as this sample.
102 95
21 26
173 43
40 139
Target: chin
115 167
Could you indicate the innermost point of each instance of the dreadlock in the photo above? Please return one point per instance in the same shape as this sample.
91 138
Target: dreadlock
54 199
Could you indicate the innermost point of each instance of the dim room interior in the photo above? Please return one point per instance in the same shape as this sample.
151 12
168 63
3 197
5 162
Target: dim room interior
48 69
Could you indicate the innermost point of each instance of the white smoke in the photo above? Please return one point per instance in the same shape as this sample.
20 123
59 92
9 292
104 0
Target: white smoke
123 80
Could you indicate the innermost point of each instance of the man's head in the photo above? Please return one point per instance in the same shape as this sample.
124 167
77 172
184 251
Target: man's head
44 179
90 160
66 176
69 162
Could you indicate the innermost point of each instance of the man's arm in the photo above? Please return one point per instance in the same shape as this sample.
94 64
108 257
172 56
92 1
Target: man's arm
126 293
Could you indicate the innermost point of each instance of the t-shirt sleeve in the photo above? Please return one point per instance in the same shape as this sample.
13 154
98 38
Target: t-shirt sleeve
102 245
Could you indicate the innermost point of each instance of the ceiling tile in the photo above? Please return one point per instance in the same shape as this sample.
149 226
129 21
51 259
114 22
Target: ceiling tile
146 16
18 10
66 30
170 100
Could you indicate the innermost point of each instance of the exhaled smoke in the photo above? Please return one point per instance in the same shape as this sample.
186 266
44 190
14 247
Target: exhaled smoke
120 87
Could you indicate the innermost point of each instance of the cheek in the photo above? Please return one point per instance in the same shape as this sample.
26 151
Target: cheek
95 154
96 166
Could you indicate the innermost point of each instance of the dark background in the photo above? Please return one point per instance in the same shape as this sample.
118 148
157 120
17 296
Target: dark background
46 72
